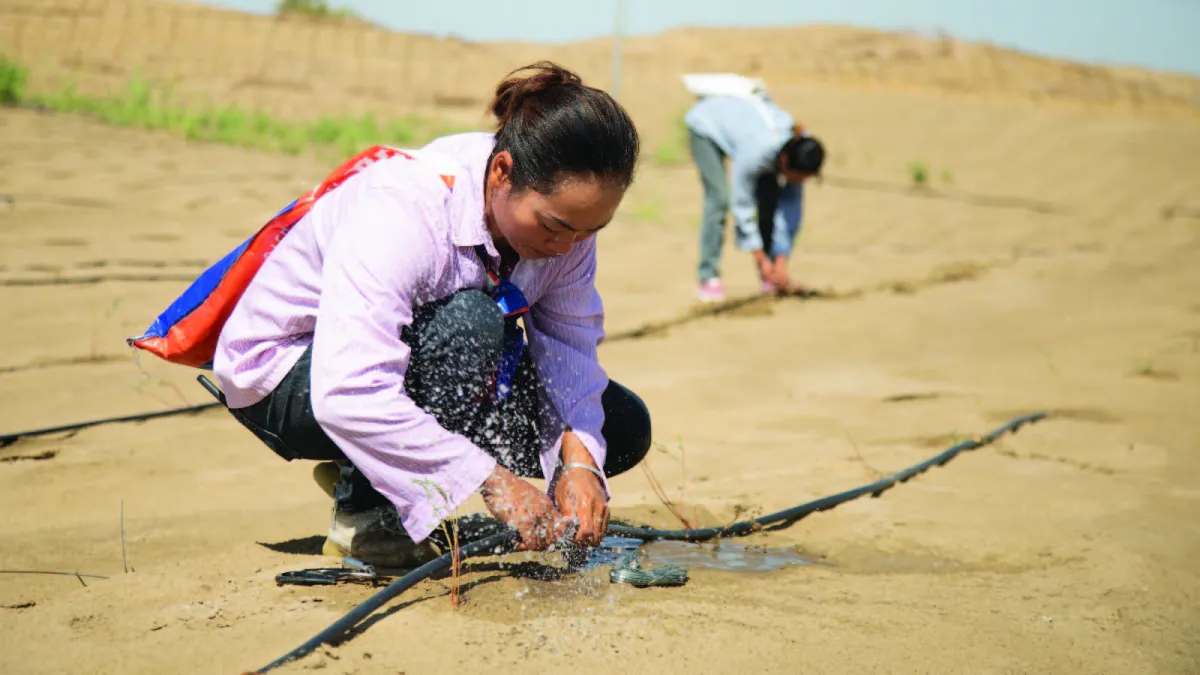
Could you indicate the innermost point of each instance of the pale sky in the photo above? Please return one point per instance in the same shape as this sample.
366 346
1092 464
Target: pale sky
1163 34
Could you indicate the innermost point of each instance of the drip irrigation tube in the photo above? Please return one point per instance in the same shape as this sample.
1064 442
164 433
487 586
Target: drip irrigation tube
65 574
497 543
788 516
492 545
8 439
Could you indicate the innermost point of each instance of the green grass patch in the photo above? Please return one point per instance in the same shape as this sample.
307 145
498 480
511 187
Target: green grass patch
144 106
648 211
13 77
919 173
313 9
673 150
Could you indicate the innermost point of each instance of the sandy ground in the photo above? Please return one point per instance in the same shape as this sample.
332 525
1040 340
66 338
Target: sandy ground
1058 272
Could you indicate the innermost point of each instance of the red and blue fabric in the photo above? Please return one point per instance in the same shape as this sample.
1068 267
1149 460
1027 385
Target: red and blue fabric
186 332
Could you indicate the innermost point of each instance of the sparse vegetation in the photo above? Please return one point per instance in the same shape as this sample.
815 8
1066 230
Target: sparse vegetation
142 105
919 174
659 492
313 9
95 351
449 527
922 175
648 211
12 81
674 149
1147 369
1049 360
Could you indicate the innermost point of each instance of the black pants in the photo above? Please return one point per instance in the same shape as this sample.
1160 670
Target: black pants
455 349
766 196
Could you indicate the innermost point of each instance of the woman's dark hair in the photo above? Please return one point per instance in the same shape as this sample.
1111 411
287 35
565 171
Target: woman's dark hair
804 153
556 128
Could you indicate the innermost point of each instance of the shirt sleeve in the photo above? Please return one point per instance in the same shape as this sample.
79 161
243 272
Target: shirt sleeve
379 258
566 326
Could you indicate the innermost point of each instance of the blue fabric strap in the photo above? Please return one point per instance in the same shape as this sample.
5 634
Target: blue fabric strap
512 303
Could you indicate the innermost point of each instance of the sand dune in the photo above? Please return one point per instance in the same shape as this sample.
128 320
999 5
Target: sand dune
1051 265
302 68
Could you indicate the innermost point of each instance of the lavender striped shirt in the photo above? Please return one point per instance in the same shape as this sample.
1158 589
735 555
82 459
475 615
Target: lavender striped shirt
346 279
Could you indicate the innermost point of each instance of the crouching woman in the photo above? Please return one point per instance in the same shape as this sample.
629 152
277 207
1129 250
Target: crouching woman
382 332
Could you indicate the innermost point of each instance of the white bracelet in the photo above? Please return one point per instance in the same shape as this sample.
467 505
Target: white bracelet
585 467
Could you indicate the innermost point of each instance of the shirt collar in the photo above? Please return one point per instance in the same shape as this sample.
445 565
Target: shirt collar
469 228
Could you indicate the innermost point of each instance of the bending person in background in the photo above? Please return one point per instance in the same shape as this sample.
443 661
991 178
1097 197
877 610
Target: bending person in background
381 334
770 159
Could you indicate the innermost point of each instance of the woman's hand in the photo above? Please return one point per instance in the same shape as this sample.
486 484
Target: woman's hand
766 266
521 506
579 493
779 276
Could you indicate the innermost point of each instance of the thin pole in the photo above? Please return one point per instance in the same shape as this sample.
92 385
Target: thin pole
618 29
124 561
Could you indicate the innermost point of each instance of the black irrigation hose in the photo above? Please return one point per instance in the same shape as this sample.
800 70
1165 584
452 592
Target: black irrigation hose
492 545
8 439
65 574
788 516
496 543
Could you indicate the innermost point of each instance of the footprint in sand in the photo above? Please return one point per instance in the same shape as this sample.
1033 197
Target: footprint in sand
65 242
157 237
904 398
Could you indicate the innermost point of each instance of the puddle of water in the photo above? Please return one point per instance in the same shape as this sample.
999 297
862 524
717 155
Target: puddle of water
610 549
718 556
728 557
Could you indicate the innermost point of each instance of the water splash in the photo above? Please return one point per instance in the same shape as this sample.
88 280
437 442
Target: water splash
728 557
718 556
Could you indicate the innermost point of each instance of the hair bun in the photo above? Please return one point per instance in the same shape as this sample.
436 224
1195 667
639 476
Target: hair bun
555 127
512 93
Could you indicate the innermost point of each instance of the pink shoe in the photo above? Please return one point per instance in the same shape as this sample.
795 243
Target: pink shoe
767 288
711 290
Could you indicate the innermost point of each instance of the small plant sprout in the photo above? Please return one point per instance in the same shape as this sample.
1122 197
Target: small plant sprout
919 174
659 492
447 515
95 353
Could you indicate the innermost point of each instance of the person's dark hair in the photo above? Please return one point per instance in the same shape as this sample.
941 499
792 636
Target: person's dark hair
804 153
556 128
